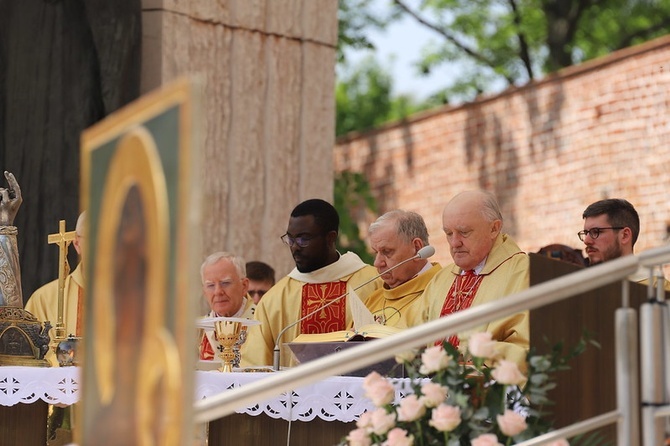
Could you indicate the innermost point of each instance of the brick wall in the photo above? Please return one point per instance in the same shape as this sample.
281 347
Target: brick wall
547 150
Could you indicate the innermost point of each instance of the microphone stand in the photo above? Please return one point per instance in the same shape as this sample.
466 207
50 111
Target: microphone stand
423 253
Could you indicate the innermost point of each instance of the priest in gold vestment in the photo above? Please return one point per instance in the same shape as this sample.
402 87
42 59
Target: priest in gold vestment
321 275
43 304
225 285
394 237
488 265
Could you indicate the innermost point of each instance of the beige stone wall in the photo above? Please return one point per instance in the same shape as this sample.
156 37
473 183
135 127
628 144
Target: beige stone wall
546 150
267 70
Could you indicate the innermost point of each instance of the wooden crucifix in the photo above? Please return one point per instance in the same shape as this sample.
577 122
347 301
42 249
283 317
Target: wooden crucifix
63 240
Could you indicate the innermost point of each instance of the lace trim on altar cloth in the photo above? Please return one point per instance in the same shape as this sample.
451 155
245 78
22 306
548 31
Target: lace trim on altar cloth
340 398
29 384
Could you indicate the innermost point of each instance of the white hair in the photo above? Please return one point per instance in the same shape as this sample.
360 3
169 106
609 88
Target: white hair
237 261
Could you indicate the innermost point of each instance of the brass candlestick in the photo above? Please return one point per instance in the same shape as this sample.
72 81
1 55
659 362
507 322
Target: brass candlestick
228 334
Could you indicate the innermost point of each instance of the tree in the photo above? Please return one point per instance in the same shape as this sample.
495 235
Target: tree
364 99
515 41
354 20
353 196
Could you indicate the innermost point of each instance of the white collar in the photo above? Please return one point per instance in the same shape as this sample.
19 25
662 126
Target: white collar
478 269
347 264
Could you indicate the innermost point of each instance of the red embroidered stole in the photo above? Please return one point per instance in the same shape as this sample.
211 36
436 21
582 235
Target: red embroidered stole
460 296
206 349
331 318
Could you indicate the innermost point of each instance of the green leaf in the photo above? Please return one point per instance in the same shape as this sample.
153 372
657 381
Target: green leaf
497 42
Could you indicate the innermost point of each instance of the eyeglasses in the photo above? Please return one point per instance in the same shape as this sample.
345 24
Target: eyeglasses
594 232
260 293
302 241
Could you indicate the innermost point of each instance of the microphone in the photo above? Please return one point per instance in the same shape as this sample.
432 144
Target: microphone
423 253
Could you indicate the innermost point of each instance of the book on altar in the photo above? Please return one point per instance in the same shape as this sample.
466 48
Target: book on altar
364 333
307 347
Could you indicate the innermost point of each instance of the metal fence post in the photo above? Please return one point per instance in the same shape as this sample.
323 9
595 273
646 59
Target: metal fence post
652 370
627 376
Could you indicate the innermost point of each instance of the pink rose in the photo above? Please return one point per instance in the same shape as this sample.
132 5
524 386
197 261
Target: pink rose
410 408
559 442
365 420
398 437
372 377
482 346
507 372
511 423
445 418
433 394
378 389
381 422
486 440
359 437
434 359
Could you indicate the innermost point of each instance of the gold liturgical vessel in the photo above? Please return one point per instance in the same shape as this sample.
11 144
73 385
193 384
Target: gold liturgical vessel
228 334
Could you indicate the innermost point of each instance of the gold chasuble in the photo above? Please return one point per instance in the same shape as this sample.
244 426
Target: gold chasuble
400 306
43 304
506 271
294 296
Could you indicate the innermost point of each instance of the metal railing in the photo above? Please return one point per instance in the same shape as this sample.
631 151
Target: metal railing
627 413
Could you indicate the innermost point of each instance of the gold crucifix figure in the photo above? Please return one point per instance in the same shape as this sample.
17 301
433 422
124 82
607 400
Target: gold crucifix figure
63 240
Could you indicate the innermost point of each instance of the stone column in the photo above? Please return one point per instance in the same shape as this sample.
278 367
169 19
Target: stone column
267 70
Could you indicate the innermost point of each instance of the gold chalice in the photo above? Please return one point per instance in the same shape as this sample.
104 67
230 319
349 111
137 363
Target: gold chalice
228 334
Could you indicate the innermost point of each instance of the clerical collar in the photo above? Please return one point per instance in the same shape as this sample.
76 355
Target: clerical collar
425 268
347 264
478 269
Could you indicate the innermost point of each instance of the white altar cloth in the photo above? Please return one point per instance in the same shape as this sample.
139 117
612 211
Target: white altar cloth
55 385
338 398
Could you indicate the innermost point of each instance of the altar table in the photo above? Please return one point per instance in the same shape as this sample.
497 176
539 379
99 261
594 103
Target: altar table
53 385
321 413
323 405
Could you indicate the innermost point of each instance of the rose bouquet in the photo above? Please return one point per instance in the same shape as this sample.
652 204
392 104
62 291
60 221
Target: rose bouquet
472 399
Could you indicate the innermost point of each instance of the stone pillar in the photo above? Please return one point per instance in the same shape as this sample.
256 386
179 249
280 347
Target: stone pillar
267 70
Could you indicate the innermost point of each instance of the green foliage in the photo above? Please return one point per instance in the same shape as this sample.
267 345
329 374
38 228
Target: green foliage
352 196
363 99
354 20
509 42
617 24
